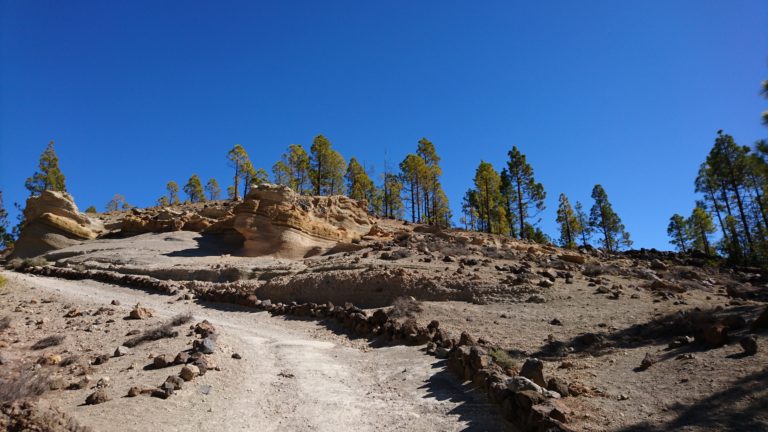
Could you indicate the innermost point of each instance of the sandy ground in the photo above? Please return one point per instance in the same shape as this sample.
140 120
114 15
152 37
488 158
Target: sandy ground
292 375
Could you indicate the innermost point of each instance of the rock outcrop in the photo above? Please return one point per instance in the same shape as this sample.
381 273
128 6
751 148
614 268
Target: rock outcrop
210 219
53 222
277 221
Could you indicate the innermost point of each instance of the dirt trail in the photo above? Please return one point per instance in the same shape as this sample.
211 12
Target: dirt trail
288 378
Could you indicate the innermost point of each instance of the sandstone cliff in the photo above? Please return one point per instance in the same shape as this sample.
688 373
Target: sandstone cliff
277 221
53 222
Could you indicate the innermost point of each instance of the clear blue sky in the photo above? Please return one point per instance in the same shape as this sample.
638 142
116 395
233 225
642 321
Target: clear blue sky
628 94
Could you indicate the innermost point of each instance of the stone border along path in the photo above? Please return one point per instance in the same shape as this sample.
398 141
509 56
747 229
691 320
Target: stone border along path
529 406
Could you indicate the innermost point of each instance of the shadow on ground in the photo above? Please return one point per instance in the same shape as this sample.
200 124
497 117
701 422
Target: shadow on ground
741 407
658 331
472 406
211 245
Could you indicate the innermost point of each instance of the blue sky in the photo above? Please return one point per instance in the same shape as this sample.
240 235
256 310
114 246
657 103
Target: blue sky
628 94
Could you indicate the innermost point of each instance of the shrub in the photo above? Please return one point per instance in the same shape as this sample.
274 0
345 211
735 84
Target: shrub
24 385
164 331
20 264
502 358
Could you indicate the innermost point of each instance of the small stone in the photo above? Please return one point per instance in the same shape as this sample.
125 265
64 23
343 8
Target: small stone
623 397
134 391
205 328
160 361
121 351
556 322
536 298
139 312
647 361
205 346
236 356
546 283
749 345
189 372
181 358
115 302
558 385
177 382
533 369
97 397
100 360
103 382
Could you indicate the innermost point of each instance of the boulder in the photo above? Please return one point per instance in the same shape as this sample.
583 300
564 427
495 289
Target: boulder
276 221
97 397
533 369
189 372
205 346
573 258
139 312
53 222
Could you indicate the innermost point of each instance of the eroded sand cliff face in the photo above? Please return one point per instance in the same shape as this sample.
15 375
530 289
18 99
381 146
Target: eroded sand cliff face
54 222
278 222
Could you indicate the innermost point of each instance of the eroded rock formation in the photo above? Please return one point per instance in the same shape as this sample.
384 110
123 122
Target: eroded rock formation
210 219
277 221
53 222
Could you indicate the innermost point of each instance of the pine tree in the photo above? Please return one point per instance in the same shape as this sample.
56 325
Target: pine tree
173 192
162 201
527 192
91 209
6 238
765 94
570 227
469 209
359 185
583 219
509 201
700 227
488 199
252 176
604 220
118 203
48 175
413 172
293 169
238 159
213 189
231 192
327 168
435 202
194 189
391 203
678 234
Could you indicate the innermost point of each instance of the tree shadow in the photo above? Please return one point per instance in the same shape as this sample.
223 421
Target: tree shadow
472 406
658 331
741 407
212 245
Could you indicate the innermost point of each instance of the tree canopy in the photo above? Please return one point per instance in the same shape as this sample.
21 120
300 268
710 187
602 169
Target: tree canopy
48 175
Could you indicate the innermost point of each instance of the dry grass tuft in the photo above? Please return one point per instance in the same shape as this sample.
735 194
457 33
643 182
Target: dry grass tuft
48 342
404 307
164 331
25 385
503 359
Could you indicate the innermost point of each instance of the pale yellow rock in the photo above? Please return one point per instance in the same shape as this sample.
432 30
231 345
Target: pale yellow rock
278 222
